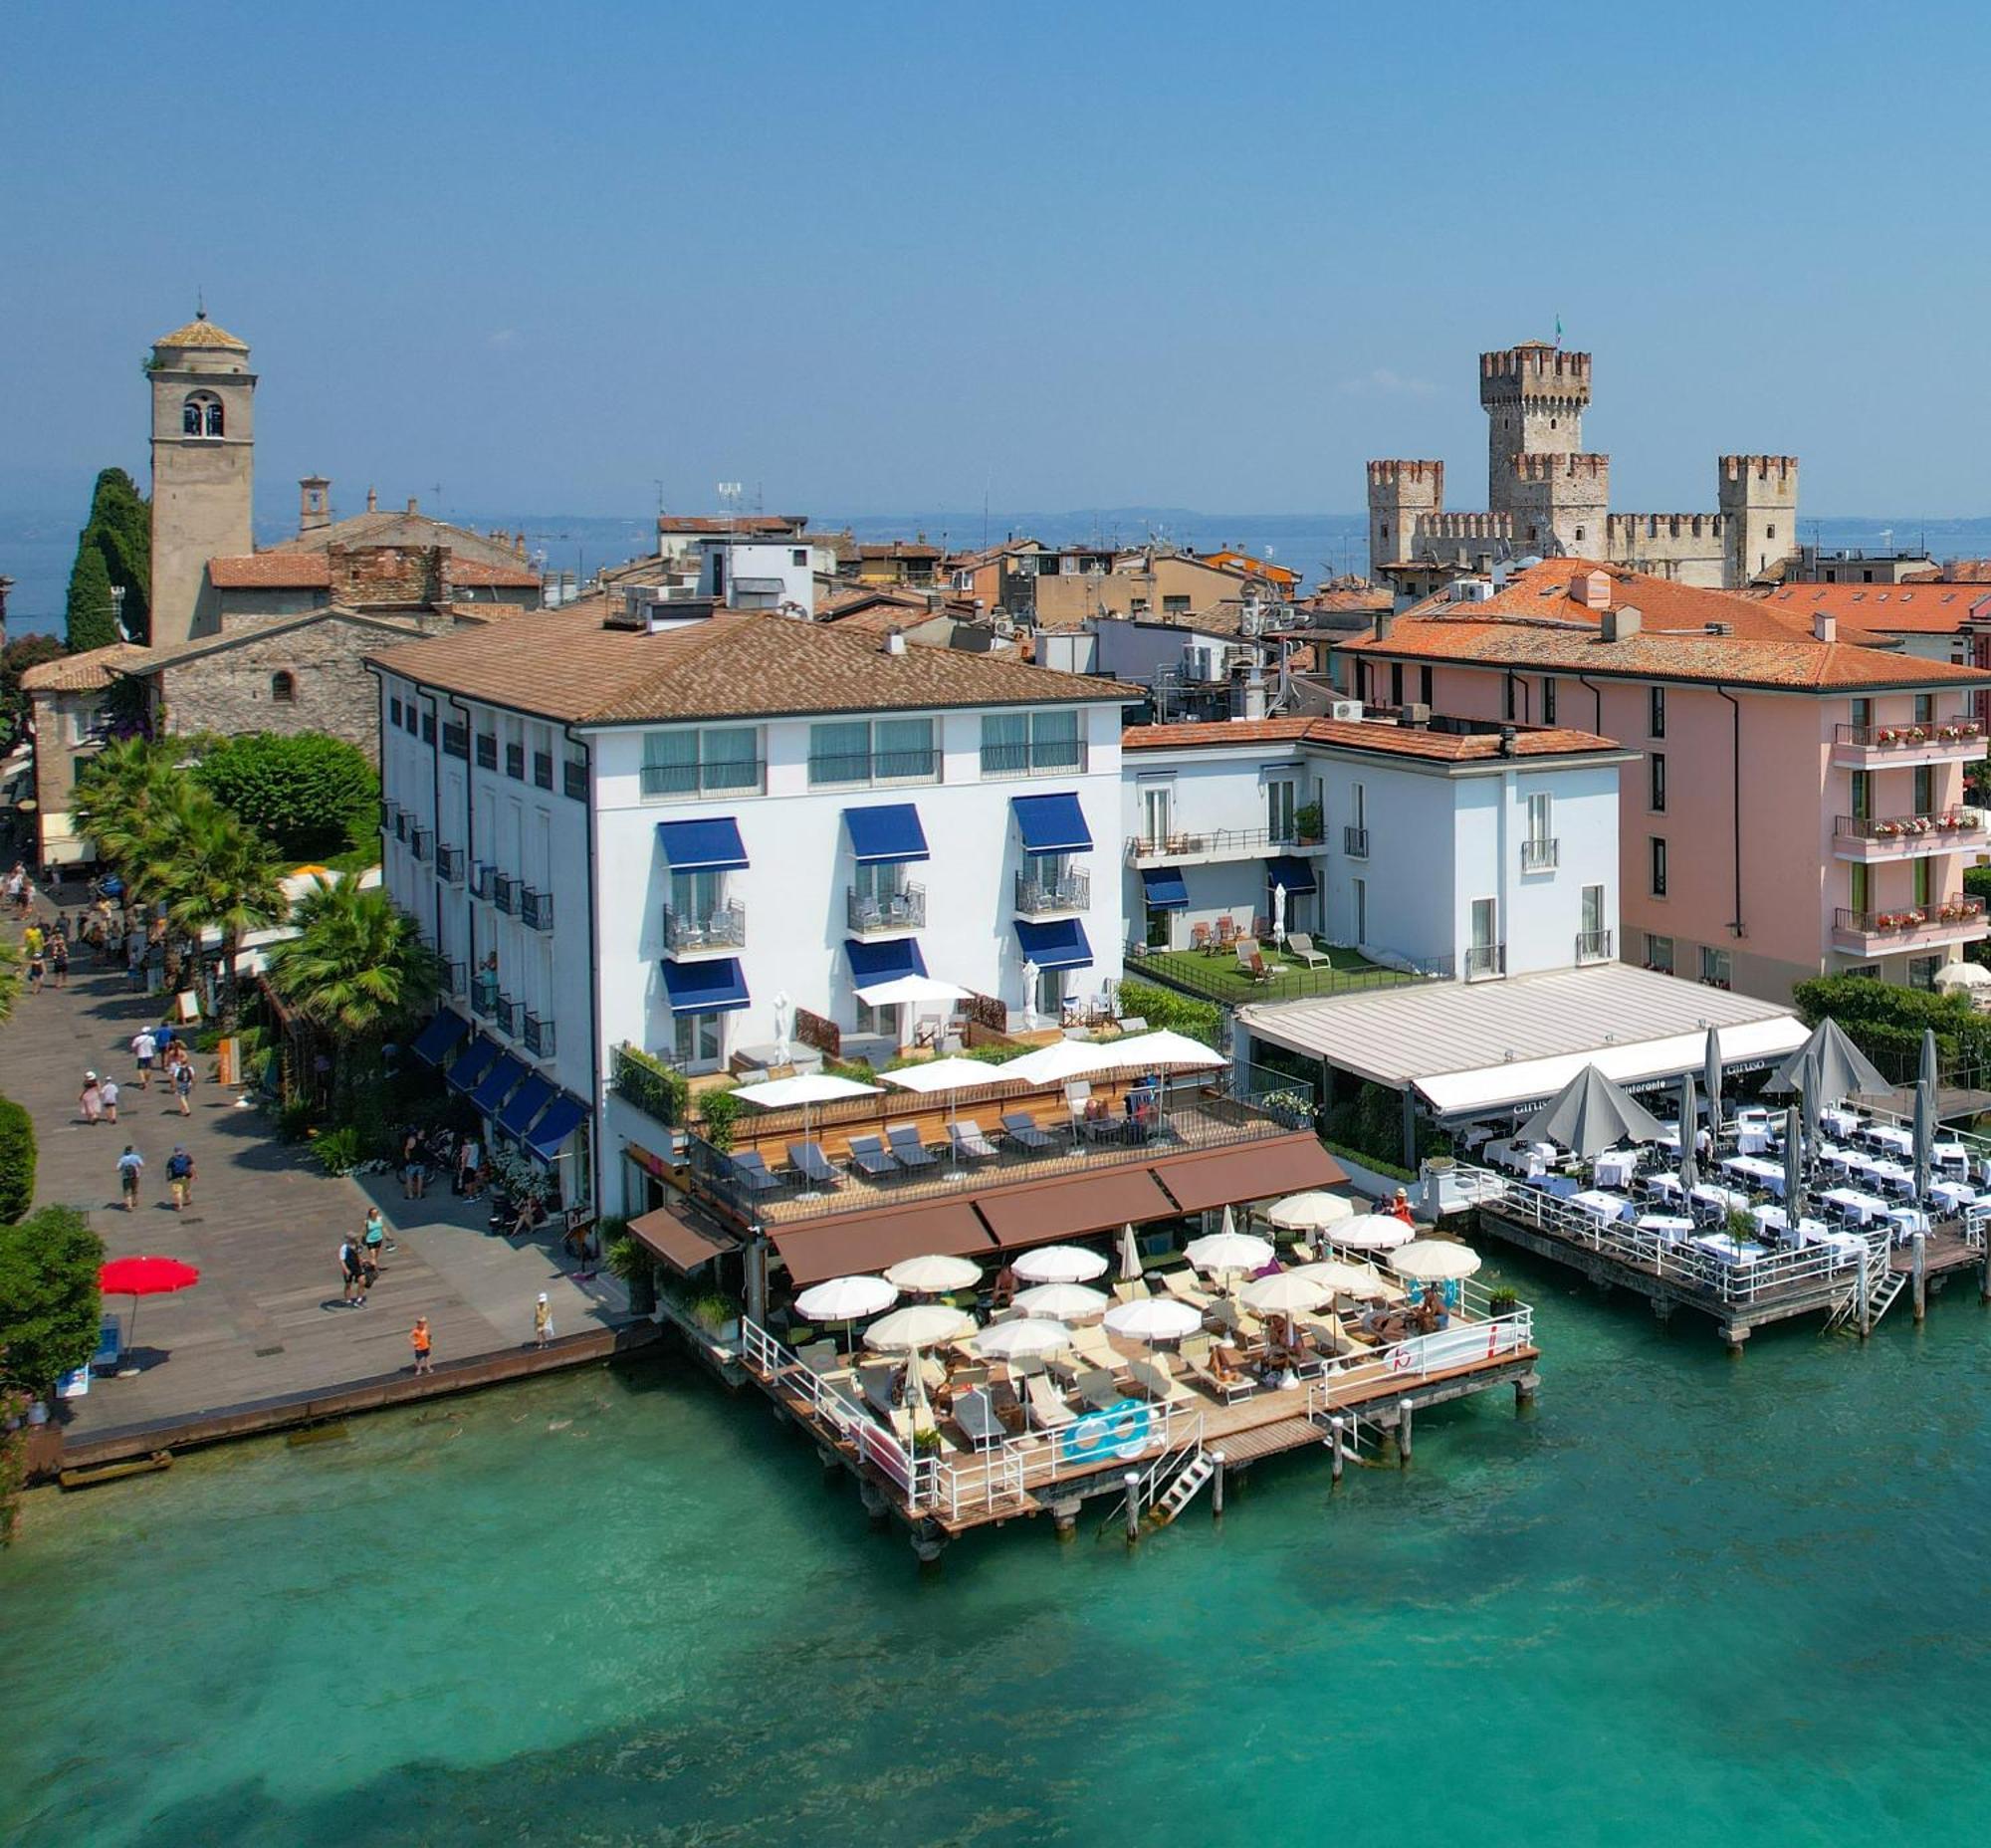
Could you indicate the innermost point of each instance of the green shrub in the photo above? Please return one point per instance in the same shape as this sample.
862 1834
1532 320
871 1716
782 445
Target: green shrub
17 1161
338 1151
1164 1009
295 1120
712 1314
718 1111
308 793
49 1302
1503 1301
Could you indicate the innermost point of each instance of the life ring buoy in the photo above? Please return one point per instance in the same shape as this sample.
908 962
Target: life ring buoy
1130 1425
1401 1358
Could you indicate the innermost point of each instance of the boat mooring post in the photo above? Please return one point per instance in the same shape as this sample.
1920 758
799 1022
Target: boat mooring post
1403 1434
1132 1482
1217 1485
1919 1250
1334 1447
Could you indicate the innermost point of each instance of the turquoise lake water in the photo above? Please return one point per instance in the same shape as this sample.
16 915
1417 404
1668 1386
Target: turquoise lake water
1690 1599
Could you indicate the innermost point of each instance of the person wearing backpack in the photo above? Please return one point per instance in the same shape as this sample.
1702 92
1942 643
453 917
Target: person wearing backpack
179 1175
183 1076
130 1165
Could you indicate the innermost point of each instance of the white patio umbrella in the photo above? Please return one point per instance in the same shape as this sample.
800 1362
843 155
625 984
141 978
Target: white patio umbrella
1346 1280
1068 1302
1154 1318
934 1273
935 1078
846 1300
913 989
1434 1260
1059 1264
808 1088
1312 1212
1159 1050
1371 1232
1966 976
1287 1292
1130 1256
1279 912
1013 1340
918 1325
1228 1250
1061 1059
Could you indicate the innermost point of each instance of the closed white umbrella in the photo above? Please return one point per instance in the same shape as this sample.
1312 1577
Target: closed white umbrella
1013 1340
1154 1318
1312 1212
918 1325
1371 1232
1287 1292
1434 1260
784 1016
1279 912
1228 1250
1059 1264
934 1273
1068 1302
1130 1256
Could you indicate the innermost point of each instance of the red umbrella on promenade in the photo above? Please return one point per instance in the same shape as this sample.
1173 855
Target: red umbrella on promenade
143 1276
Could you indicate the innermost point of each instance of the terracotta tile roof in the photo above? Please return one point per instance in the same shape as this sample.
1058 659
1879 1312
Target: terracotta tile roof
1364 601
746 524
564 664
201 332
311 570
900 549
1366 735
1922 607
89 672
389 527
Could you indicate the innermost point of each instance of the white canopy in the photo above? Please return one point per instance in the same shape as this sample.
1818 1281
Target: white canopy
913 989
1963 975
1310 1211
1154 1318
1059 1264
1054 1063
921 1324
1228 1250
939 1075
809 1087
1286 1291
1434 1260
1347 1279
1068 1302
1372 1232
1082 1058
846 1299
1009 1340
935 1271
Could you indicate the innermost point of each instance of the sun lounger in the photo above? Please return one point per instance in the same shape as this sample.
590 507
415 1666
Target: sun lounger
1157 1380
1299 946
975 1418
751 1171
907 1149
1180 1284
819 1357
1131 1289
809 1161
874 1380
868 1152
1092 1344
1048 1408
1021 1128
1229 1314
1199 1363
970 1144
1098 1389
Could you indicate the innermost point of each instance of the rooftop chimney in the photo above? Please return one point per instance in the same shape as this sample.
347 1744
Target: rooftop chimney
1620 624
1825 626
373 502
1592 589
1383 618
895 640
414 506
1507 741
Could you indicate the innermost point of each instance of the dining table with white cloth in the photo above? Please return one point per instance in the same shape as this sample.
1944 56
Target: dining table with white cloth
1954 1196
1858 1206
1667 1227
1950 1155
1887 1137
1719 1199
1767 1174
1775 1218
1840 1121
1602 1206
1907 1222
1719 1246
1665 1184
1753 1140
1896 1176
1615 1168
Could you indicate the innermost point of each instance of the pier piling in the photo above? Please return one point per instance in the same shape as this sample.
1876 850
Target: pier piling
1525 1389
1334 1428
1132 1482
1217 1485
1918 1249
1404 1434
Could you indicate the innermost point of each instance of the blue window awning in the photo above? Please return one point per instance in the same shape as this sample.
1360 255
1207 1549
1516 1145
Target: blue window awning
472 1063
1059 944
1051 823
1164 888
434 1042
717 987
526 1102
711 845
884 961
564 1116
495 1084
887 835
1289 871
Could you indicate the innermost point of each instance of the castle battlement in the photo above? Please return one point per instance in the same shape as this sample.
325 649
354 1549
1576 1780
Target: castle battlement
1534 371
1465 526
1390 474
1629 528
1782 469
1538 467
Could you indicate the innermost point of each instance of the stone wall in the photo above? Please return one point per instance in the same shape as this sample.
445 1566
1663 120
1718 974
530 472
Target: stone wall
366 575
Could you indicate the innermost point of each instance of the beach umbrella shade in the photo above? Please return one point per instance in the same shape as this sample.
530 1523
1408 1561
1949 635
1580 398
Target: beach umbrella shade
1371 1232
1065 1301
846 1300
1710 1079
918 1325
1793 1166
1589 1116
1161 1051
1287 1292
1130 1254
143 1276
1059 1264
1228 1250
1346 1280
1313 1212
1967 976
1154 1318
913 989
1061 1059
1434 1260
1690 1118
933 1274
1828 1067
1013 1340
1925 1109
806 1088
938 1077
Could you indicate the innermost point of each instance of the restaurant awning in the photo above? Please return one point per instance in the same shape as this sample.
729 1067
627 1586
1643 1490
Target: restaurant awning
472 1063
887 835
1051 823
432 1045
495 1084
676 1241
1072 1206
1289 871
1165 888
714 987
1059 943
885 961
1210 1178
709 845
849 1244
564 1116
526 1103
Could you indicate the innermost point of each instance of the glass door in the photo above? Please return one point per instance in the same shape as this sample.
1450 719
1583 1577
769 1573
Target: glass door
1280 804
1156 816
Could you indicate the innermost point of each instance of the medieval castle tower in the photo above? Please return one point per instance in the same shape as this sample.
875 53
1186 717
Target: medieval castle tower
203 468
1547 495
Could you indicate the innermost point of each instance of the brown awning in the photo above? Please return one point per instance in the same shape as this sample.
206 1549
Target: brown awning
1072 1207
676 1241
845 1243
1228 1177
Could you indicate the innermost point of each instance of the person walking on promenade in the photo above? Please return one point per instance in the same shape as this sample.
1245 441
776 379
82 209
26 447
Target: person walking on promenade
184 1075
179 1174
543 1321
353 1277
90 1100
135 962
130 1165
59 957
418 1339
106 1091
414 1167
372 1240
144 1048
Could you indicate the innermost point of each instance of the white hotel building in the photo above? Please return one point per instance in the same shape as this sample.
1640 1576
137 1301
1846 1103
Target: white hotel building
629 822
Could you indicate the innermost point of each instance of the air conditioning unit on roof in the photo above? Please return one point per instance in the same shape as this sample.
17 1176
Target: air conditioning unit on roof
1349 710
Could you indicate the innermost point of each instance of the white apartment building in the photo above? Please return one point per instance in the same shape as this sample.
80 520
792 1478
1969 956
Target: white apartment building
1477 853
620 828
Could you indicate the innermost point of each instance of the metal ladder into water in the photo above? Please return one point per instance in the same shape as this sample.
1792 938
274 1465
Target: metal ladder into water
1883 1284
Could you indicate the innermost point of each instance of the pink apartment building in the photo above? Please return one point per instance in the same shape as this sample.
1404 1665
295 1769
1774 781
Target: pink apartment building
1800 807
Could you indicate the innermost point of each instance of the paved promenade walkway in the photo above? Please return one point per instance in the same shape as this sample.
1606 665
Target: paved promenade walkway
264 1228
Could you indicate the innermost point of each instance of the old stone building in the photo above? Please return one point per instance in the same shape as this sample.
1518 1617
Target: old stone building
1547 495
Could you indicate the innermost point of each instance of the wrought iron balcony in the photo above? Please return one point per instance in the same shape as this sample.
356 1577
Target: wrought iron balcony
538 1036
1540 855
504 893
1355 842
537 908
1908 837
484 997
867 915
1069 891
1959 738
722 928
1958 919
1483 960
727 777
455 978
450 866
1593 946
421 843
510 1016
482 877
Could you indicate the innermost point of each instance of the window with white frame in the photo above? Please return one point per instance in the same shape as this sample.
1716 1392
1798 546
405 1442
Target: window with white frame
855 751
703 760
1015 744
1716 969
699 1037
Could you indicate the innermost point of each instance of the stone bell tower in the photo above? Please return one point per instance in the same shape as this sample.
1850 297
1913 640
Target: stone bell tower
203 469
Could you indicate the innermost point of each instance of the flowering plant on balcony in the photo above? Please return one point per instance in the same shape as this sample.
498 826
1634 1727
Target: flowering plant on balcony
1915 735
1920 825
1950 914
1885 831
1886 735
1885 921
1969 729
1914 920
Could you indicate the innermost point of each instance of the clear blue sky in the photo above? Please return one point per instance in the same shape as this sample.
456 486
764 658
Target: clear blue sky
875 257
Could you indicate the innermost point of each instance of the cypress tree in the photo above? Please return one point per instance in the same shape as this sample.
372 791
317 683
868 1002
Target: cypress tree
119 536
92 620
17 1161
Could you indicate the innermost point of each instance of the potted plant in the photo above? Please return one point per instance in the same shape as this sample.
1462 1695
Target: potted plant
926 1442
1885 734
1502 1301
1307 824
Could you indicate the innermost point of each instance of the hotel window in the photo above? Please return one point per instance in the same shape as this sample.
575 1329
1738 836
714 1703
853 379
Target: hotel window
1659 850
1714 967
1925 789
1548 700
1921 971
1656 712
1541 819
1396 683
1174 609
1361 910
394 712
1015 741
1424 685
882 1022
1507 698
428 728
880 750
284 688
1281 805
455 741
573 775
1859 887
1863 713
487 749
1656 768
1659 954
719 760
1925 707
514 749
1862 795
1924 880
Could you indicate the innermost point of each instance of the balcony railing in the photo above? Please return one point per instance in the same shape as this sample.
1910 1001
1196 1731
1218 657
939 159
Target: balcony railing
484 997
866 913
1593 946
504 893
1032 760
1540 855
1958 729
733 777
1355 842
1911 921
537 908
1485 959
538 1036
482 877
1069 891
510 1016
1217 843
455 976
1913 834
834 768
450 866
421 843
722 928
650 1081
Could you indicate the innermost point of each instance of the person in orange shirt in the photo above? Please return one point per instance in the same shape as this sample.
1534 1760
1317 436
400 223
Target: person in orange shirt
1400 1208
418 1339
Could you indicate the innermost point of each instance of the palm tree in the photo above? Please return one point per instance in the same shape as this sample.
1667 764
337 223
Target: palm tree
116 793
223 879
